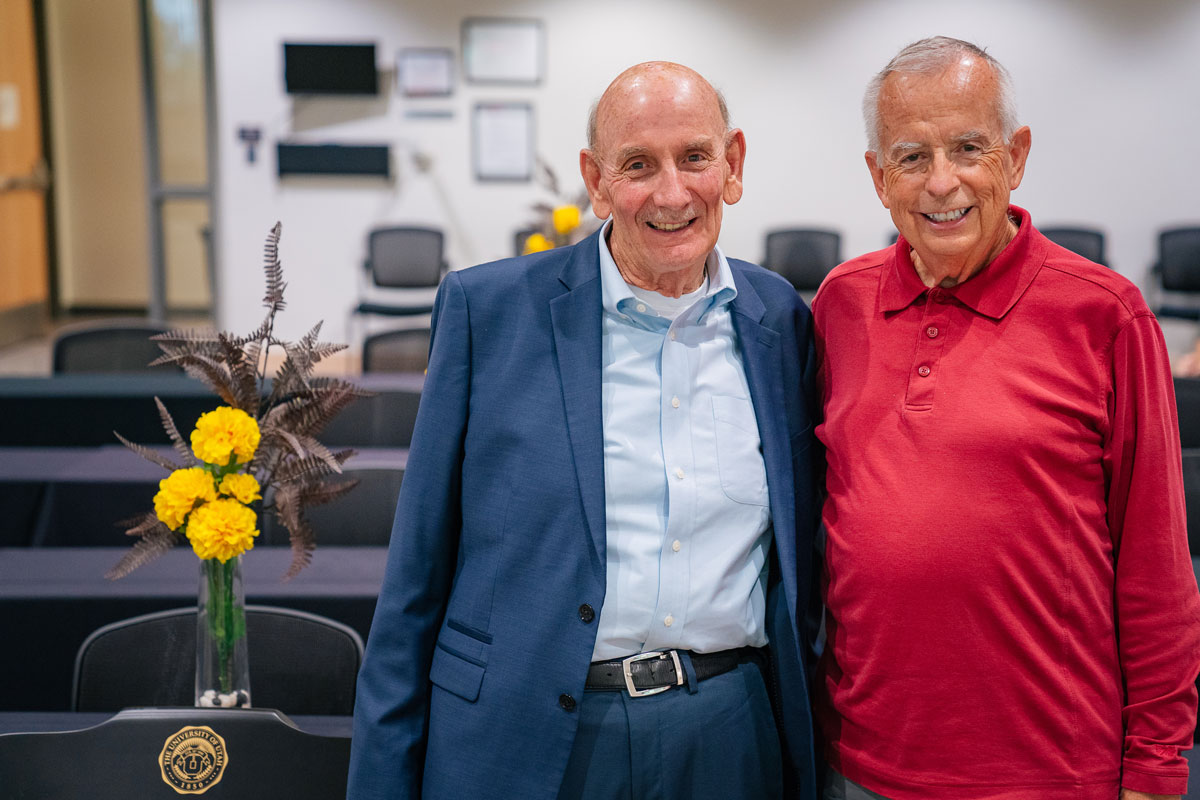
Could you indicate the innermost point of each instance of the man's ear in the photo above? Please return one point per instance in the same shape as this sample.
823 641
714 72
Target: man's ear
589 168
876 177
735 162
1018 151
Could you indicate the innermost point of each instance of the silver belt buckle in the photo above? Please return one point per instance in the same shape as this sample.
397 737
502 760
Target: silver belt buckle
659 654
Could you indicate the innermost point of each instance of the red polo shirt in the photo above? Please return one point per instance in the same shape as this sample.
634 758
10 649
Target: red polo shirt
1011 607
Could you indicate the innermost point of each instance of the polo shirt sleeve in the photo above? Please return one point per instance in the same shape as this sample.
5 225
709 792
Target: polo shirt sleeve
1156 601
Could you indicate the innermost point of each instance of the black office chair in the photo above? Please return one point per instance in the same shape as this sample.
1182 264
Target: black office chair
404 350
173 752
408 263
1087 242
300 663
803 255
1178 270
118 346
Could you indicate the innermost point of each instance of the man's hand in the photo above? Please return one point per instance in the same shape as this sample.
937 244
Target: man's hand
1130 794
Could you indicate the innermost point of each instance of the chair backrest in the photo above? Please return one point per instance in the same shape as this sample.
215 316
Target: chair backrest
362 517
300 663
1086 242
396 351
108 347
1179 259
169 752
803 255
405 257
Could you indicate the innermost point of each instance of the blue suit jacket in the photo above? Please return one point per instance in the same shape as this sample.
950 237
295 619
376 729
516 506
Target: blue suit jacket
500 533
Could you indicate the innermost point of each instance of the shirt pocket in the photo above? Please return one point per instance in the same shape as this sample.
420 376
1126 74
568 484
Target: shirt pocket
739 453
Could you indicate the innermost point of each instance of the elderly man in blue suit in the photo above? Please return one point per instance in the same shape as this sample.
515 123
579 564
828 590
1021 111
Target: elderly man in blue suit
601 557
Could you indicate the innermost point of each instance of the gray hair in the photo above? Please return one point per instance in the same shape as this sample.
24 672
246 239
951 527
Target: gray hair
592 113
933 55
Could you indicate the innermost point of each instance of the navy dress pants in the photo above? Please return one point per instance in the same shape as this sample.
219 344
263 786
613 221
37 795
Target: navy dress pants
716 739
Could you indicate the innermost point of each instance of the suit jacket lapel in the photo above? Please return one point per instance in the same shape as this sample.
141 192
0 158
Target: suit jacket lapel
576 318
760 357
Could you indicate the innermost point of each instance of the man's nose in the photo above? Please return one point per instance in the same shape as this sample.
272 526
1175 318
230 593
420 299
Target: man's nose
943 176
670 191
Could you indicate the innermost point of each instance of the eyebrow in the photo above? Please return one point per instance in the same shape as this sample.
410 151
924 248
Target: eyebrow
969 136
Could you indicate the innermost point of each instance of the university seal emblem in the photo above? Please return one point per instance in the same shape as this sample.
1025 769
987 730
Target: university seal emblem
193 759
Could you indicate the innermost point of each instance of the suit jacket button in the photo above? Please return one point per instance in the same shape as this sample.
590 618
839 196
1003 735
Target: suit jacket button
586 613
567 702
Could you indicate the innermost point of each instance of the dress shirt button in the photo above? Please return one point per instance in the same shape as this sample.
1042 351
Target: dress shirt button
679 473
676 545
587 613
669 621
674 402
641 307
931 332
923 371
567 702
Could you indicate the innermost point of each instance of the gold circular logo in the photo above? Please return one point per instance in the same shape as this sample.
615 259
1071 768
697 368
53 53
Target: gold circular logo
193 759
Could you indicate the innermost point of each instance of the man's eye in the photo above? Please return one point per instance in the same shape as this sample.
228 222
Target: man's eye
970 148
636 165
911 158
694 157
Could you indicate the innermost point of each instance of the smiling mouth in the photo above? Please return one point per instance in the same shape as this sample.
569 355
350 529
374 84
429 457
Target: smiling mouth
947 216
669 227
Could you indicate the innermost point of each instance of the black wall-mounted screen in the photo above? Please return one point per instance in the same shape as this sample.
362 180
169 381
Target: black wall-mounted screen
333 159
329 68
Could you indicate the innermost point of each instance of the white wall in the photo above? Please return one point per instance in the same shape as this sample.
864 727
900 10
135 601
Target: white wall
1109 87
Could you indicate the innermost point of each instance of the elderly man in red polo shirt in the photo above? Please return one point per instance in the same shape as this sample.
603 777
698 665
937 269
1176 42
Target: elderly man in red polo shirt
1011 607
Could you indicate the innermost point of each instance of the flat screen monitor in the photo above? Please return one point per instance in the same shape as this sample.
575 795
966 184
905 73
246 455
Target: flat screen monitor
314 68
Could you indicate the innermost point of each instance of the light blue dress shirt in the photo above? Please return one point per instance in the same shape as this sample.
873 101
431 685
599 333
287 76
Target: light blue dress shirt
688 525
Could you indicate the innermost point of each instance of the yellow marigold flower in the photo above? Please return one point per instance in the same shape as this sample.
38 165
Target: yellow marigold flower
536 243
566 219
242 487
222 529
223 432
179 492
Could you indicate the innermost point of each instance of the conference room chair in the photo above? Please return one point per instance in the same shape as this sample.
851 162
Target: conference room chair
362 517
405 350
802 255
300 663
1087 242
1177 271
116 346
149 753
403 267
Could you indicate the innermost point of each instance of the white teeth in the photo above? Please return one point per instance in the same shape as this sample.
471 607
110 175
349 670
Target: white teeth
666 226
948 216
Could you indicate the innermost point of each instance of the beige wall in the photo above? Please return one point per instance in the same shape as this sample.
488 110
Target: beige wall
99 152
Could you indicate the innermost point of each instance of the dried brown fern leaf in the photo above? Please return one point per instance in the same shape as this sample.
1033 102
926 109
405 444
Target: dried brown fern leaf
308 415
289 511
140 524
273 299
318 494
145 452
154 542
326 349
177 441
294 469
202 338
289 381
243 377
213 374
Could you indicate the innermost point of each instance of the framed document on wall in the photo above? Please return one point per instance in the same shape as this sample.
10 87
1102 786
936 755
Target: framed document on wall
503 141
503 50
426 71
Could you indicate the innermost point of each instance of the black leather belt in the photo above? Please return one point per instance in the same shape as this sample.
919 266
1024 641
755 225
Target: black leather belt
650 673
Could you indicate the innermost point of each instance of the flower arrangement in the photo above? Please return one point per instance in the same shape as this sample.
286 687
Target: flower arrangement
561 222
260 444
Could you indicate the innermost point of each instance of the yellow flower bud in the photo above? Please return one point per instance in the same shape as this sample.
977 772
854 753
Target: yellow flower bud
536 243
222 529
240 486
223 432
179 492
566 219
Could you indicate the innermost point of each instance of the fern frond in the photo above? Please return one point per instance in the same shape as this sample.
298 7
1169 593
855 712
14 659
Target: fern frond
177 441
154 542
243 377
145 452
274 271
319 494
211 373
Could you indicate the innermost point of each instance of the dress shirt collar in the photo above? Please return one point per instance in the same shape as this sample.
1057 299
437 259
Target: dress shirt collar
620 302
991 292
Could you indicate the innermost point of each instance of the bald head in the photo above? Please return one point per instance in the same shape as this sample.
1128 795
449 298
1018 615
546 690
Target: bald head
634 88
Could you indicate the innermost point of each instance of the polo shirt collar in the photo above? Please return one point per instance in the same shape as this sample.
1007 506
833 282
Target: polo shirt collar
991 292
620 301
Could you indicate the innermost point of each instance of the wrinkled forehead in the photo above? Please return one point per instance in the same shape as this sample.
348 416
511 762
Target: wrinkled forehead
963 96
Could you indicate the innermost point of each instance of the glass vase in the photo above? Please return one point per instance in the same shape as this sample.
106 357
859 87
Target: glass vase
222 666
